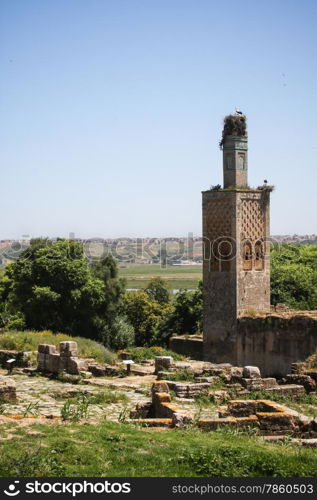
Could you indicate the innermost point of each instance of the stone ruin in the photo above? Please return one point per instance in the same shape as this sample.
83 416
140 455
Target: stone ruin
271 419
49 360
240 379
7 389
160 411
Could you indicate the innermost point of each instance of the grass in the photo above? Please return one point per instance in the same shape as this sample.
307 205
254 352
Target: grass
182 376
29 340
142 353
138 276
121 450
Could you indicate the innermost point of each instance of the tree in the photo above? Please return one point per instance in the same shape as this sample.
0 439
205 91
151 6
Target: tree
118 335
146 317
186 316
158 291
51 286
294 275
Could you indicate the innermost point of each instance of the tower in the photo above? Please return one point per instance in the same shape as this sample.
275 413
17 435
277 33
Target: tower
236 265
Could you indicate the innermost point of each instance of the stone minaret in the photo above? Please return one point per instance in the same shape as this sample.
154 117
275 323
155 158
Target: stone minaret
236 269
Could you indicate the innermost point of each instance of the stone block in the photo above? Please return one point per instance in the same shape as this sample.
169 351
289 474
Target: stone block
208 380
276 422
196 389
251 372
68 349
159 386
162 363
7 389
181 419
288 390
236 372
165 410
268 383
242 408
251 420
41 358
211 424
305 380
312 374
46 349
252 384
97 370
158 399
155 422
161 397
52 363
75 365
183 390
142 410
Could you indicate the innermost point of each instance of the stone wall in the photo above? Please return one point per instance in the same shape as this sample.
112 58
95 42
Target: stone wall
236 266
273 343
191 347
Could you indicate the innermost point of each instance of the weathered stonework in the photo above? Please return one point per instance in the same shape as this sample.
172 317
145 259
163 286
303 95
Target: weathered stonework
160 412
275 342
236 267
270 418
49 360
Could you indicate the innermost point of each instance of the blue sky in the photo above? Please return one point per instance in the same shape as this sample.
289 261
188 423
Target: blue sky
111 112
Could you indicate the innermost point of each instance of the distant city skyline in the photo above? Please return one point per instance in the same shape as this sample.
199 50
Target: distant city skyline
112 112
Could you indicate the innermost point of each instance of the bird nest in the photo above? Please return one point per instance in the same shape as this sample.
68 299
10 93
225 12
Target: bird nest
234 125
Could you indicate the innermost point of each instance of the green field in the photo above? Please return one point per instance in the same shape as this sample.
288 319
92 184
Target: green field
138 275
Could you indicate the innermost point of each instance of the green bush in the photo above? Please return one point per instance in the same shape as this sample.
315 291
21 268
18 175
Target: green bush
294 275
119 335
142 353
182 375
51 286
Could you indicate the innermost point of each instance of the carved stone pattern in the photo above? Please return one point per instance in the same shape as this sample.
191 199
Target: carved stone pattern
252 220
218 219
